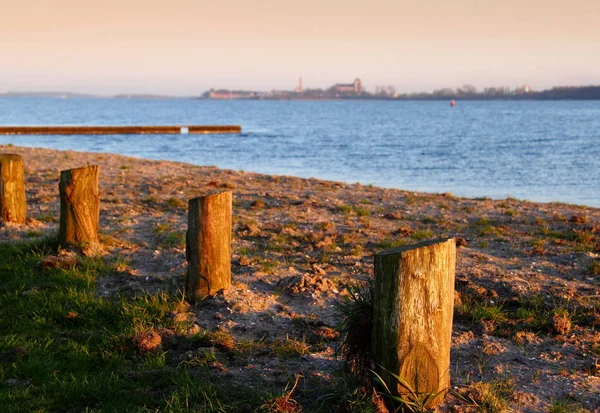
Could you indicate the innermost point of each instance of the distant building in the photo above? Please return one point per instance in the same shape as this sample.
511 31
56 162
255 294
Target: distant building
299 89
523 90
355 87
281 94
230 94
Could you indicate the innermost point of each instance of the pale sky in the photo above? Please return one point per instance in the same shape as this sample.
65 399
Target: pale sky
184 47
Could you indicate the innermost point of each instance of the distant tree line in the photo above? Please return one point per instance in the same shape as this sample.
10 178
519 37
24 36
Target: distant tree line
570 92
506 93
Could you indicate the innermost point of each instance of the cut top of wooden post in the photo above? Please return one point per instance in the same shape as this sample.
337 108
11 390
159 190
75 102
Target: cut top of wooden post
412 316
13 206
13 157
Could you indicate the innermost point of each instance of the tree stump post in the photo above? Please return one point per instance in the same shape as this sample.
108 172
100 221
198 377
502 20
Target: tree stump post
412 319
208 245
13 206
79 206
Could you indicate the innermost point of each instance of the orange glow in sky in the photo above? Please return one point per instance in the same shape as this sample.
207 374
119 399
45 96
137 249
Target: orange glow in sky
184 47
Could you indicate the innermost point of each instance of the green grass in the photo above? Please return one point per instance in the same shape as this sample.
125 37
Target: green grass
582 240
46 217
169 238
161 228
62 348
350 396
173 202
280 243
491 230
488 312
33 234
362 211
533 313
359 210
594 268
356 311
566 405
175 239
266 265
151 199
393 243
493 397
422 234
428 220
288 347
344 209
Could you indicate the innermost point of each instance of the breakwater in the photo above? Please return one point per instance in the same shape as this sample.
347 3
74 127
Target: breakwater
118 130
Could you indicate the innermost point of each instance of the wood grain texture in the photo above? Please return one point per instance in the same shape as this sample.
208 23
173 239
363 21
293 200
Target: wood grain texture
208 245
79 206
13 206
412 316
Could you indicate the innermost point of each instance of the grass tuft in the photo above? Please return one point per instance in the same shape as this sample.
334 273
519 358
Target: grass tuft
566 405
356 310
491 397
594 268
288 348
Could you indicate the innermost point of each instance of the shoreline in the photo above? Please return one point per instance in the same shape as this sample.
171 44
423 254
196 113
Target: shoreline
298 243
507 196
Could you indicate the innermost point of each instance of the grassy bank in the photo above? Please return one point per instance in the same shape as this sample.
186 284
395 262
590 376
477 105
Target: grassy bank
63 348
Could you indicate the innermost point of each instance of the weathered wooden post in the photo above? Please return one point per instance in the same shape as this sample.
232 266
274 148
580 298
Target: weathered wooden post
208 245
412 318
13 207
79 206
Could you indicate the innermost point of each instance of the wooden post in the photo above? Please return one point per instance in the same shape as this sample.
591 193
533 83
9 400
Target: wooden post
412 318
79 206
12 189
208 245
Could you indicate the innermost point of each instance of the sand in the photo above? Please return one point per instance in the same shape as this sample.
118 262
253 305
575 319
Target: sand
298 243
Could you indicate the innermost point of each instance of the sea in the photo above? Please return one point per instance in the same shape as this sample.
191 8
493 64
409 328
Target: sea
543 151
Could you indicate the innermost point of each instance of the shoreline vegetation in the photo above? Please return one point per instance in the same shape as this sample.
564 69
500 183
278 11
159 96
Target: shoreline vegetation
466 92
111 330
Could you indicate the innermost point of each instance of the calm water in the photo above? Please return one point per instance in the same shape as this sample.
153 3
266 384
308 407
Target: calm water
541 151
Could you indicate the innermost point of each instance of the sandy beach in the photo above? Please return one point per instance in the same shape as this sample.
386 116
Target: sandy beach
298 244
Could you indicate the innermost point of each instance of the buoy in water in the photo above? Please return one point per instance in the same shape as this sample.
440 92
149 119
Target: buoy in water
452 103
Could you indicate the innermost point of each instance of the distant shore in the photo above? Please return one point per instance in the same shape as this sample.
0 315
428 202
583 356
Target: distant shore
590 92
